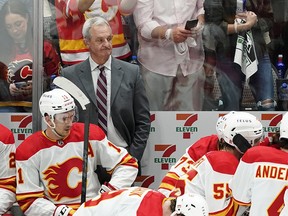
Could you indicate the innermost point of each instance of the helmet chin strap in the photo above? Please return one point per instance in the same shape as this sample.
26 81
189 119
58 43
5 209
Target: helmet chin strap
53 129
56 133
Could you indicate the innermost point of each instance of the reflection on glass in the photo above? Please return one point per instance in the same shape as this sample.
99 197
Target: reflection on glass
16 52
174 78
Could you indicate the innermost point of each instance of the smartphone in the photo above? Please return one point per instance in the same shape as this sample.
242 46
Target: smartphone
20 84
191 24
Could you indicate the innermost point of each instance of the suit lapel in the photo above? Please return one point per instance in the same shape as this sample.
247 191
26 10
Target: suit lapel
87 82
116 78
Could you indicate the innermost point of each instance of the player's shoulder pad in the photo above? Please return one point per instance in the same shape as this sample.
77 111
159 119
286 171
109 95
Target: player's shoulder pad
265 154
222 161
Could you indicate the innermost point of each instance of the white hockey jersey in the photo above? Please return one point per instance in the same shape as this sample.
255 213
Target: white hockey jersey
49 172
284 211
134 201
261 180
209 178
184 164
7 169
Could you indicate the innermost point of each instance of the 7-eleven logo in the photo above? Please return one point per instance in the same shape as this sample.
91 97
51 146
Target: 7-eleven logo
165 160
22 130
274 121
144 181
187 128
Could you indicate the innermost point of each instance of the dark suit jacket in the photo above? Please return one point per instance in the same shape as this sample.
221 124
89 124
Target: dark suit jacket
129 105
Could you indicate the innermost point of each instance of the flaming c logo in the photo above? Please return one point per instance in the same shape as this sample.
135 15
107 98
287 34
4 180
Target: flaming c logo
25 72
57 179
274 121
189 120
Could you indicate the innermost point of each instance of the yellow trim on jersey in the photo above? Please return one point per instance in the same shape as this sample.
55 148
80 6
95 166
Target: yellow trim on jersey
118 39
30 198
127 160
172 175
72 44
167 186
227 210
15 103
8 183
241 203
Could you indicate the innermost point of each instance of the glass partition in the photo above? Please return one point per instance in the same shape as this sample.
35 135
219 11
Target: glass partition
16 56
229 60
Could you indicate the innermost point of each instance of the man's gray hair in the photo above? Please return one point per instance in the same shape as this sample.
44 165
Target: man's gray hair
98 21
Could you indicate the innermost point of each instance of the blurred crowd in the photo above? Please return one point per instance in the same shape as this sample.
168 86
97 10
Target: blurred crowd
233 47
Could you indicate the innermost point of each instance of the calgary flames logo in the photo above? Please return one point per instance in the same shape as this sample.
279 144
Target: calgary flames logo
58 176
19 71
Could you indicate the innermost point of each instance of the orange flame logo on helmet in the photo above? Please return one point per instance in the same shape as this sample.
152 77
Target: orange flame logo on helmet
57 177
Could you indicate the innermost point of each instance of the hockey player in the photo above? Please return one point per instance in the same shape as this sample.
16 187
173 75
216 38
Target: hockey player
261 177
139 201
49 162
210 175
7 169
192 154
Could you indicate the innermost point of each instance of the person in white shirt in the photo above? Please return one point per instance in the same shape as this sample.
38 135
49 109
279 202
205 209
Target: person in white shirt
171 57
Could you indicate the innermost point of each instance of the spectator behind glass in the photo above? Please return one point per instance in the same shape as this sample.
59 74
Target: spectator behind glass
224 31
111 13
171 57
70 17
16 51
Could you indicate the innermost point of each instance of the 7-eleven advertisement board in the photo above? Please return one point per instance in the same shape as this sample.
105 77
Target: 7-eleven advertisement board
19 123
171 133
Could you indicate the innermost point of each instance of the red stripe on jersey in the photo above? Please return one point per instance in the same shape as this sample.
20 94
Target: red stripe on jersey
223 162
202 146
265 154
8 183
38 141
6 135
151 204
169 181
104 196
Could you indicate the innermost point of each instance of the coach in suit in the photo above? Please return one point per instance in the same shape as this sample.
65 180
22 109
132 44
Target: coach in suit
128 119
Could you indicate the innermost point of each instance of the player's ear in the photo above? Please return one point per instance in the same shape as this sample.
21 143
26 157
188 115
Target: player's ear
48 120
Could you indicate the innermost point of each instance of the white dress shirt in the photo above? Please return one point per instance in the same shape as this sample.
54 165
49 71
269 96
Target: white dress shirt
159 55
113 135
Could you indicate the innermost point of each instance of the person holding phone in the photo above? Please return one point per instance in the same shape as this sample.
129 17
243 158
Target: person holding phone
171 57
256 17
16 51
191 24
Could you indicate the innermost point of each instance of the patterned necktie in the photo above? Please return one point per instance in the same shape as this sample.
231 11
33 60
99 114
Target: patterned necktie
101 97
